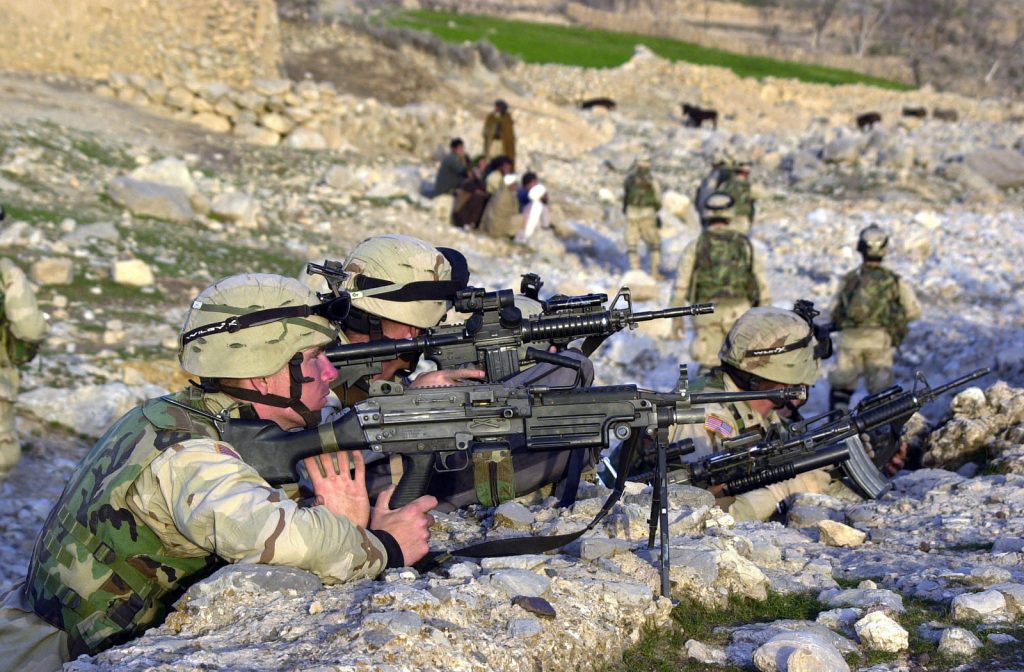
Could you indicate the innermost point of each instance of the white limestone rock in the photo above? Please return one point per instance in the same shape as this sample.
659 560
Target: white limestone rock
879 632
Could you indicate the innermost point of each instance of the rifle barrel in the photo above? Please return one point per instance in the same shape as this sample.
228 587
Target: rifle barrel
962 380
678 311
390 347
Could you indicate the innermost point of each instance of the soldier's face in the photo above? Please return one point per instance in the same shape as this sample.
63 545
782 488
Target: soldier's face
314 365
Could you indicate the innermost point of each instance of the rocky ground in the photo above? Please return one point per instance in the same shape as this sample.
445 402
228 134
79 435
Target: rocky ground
122 209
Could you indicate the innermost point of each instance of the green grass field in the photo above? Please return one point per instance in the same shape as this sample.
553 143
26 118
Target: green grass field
571 45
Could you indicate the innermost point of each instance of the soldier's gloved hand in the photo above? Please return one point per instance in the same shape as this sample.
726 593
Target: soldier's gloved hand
337 487
409 526
447 377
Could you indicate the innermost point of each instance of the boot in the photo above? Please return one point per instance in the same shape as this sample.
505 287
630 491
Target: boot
839 400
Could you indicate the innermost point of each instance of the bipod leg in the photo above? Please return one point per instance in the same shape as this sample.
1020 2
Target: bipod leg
662 488
652 521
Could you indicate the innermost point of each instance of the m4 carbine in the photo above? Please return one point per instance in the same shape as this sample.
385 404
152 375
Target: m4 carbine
497 337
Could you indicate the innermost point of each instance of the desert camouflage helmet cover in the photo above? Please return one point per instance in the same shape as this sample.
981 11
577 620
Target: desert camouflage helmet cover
719 206
400 259
766 329
873 241
249 352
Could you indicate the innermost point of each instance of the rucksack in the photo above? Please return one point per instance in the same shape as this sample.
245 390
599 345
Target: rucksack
740 192
640 190
870 297
724 268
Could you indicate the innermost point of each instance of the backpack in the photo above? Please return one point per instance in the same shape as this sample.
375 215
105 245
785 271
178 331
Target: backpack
709 185
724 268
870 297
640 190
740 192
16 350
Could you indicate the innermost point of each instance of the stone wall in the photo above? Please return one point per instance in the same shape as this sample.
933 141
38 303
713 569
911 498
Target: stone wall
229 40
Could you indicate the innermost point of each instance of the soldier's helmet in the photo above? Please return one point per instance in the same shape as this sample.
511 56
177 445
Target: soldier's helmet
722 157
873 242
250 325
403 279
719 208
774 344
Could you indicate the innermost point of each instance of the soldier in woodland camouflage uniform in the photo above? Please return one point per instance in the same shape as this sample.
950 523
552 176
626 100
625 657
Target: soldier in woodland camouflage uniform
872 309
160 501
731 175
718 266
767 348
22 327
641 202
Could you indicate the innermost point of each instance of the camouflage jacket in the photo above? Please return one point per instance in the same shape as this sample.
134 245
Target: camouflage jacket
701 278
156 504
641 190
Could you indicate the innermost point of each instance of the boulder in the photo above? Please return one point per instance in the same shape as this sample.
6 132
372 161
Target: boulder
1003 168
879 632
132 272
799 651
235 207
86 409
53 271
169 172
151 200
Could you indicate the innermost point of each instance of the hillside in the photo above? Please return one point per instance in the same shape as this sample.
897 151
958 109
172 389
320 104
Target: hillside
267 172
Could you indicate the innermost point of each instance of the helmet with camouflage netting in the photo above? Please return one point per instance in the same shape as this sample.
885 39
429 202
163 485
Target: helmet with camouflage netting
403 279
773 344
250 325
873 242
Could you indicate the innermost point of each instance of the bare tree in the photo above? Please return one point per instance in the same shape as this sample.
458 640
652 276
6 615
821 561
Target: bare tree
818 12
867 16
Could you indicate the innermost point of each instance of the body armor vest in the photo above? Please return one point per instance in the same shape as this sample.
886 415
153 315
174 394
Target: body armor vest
98 572
724 268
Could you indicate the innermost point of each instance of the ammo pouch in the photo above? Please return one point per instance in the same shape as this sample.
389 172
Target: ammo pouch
494 475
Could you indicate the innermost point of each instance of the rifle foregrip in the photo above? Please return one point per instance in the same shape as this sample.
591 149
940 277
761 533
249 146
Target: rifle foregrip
897 409
415 480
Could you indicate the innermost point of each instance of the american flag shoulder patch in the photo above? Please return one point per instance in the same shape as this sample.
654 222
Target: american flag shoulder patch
719 426
225 449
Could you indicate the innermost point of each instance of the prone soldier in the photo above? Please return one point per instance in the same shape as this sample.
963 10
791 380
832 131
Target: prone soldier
872 310
768 348
719 266
161 499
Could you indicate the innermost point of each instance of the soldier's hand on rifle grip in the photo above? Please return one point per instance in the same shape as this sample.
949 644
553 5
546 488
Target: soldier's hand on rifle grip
341 487
409 525
897 461
448 377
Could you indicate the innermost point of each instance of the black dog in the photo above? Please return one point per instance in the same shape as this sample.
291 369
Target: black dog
696 116
867 121
918 112
945 114
606 103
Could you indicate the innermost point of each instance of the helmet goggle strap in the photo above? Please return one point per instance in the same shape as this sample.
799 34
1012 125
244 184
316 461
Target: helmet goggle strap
336 309
293 401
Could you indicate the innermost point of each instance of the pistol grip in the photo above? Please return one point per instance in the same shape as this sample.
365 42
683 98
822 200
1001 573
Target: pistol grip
419 467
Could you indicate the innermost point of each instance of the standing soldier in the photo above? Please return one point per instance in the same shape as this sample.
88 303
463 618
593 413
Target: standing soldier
22 328
738 185
499 132
721 169
719 266
872 309
641 202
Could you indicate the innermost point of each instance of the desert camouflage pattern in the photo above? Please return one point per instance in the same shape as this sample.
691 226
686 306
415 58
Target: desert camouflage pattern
768 327
709 331
21 320
254 351
157 504
727 421
641 202
400 259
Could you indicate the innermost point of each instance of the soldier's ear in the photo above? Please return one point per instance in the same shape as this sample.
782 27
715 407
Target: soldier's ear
261 385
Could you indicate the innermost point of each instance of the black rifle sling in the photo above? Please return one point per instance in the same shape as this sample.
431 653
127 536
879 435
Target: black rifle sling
497 548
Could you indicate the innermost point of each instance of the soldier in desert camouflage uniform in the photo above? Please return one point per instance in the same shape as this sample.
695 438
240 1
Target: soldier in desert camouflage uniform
767 348
22 327
719 266
872 309
160 500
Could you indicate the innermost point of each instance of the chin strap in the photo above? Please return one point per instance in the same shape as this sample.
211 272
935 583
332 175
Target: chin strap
293 400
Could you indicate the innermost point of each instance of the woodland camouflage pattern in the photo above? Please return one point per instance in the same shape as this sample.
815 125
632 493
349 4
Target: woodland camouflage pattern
158 503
